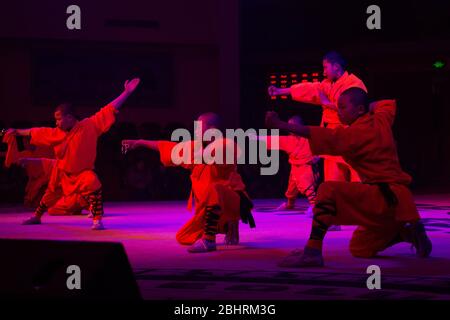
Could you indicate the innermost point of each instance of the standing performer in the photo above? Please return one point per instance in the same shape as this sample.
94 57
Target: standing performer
326 94
382 206
301 177
217 189
75 145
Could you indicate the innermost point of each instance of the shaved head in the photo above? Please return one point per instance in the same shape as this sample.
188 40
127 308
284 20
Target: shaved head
65 117
352 104
66 109
211 120
357 96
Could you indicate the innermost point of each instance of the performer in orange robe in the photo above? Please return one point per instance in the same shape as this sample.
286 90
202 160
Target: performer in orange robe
382 206
301 177
217 189
75 144
326 94
38 163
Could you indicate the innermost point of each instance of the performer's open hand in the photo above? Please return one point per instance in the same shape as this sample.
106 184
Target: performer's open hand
10 132
129 145
131 85
272 119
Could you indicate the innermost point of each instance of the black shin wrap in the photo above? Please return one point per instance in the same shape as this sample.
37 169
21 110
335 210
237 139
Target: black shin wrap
96 201
388 195
319 227
310 193
212 220
41 209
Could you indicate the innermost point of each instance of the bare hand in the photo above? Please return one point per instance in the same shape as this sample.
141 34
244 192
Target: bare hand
129 145
131 85
272 119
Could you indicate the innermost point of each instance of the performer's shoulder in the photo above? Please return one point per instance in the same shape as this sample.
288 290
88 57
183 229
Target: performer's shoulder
354 77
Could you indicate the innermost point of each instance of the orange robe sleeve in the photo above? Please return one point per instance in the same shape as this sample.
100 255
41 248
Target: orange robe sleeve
165 152
46 136
284 143
334 142
104 119
166 148
384 110
12 154
307 92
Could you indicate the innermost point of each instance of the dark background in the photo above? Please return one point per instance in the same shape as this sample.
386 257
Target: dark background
216 56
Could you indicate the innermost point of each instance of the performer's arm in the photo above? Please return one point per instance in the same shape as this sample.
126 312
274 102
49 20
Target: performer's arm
19 132
385 110
129 87
274 91
133 144
307 92
40 136
105 117
273 121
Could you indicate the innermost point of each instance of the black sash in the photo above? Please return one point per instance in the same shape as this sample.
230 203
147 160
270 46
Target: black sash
388 195
246 206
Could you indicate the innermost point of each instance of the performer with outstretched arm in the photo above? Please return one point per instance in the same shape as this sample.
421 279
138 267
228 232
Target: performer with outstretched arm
217 188
382 206
75 145
326 94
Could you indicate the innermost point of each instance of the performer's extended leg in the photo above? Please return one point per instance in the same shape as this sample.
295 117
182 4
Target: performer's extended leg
367 242
305 183
95 200
335 170
49 199
291 193
324 211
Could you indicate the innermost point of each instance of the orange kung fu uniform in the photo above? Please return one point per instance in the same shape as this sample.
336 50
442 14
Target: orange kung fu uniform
75 153
368 146
335 169
212 185
38 164
301 177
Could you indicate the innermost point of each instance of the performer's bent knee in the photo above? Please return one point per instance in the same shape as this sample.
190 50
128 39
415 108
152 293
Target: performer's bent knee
90 182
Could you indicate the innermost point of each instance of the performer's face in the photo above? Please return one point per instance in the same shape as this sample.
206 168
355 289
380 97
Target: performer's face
64 122
347 111
331 71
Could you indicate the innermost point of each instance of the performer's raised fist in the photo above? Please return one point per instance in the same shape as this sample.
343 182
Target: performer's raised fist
273 91
131 85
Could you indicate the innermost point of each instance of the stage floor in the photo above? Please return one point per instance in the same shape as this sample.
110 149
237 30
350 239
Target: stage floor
165 270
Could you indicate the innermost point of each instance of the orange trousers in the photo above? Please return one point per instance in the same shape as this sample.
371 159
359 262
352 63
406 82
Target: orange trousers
63 184
335 169
352 203
216 194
